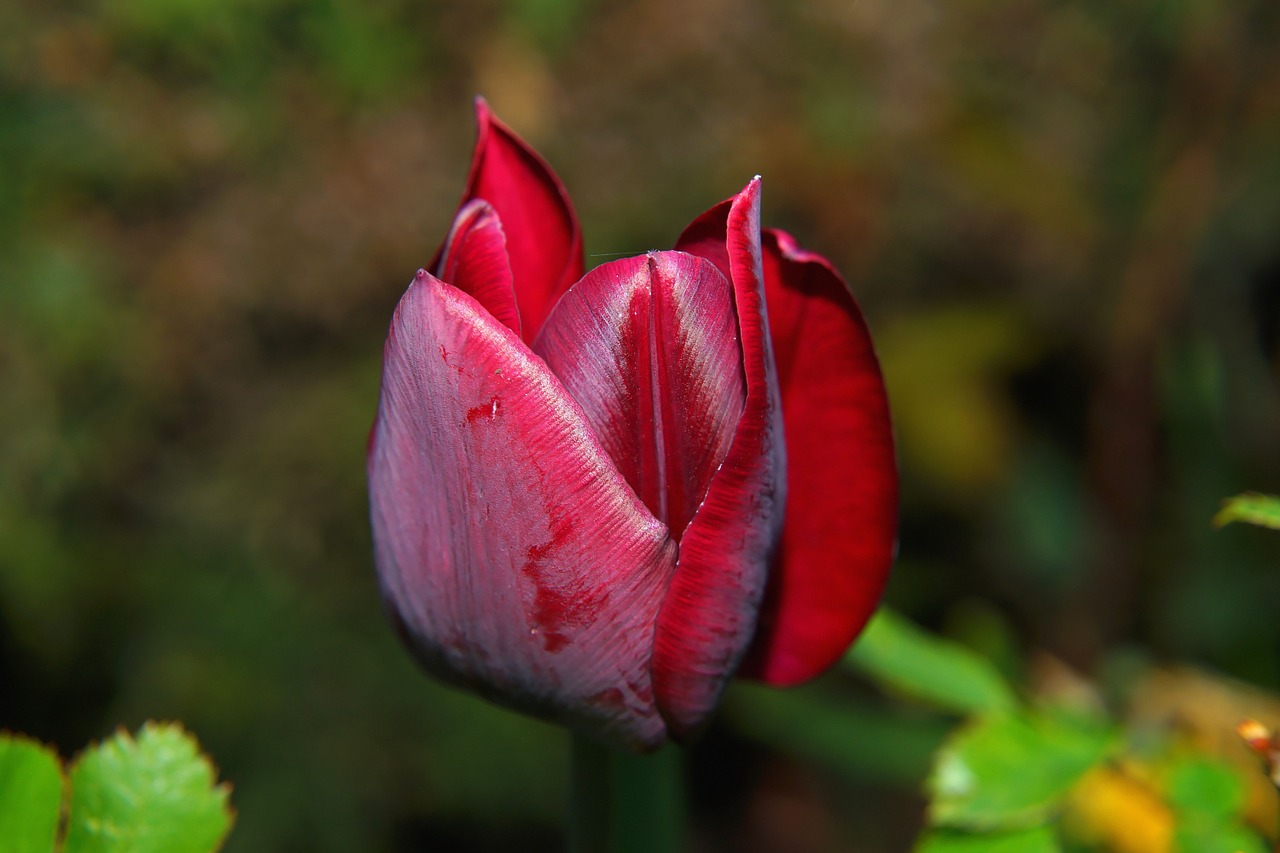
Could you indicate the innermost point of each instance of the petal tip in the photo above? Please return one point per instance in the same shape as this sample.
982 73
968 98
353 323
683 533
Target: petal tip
749 198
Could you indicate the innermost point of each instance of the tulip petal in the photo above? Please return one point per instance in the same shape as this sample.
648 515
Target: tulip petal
709 614
474 260
544 239
648 346
842 482
512 554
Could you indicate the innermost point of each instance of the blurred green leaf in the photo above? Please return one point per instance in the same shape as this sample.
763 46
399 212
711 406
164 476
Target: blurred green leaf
865 744
1011 771
30 796
155 793
1251 508
904 658
1207 798
1037 840
1203 786
1217 838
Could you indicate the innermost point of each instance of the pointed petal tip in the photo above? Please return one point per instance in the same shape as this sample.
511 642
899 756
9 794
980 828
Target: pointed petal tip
543 236
749 199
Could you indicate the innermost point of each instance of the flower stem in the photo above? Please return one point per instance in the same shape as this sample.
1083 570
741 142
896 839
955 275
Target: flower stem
623 803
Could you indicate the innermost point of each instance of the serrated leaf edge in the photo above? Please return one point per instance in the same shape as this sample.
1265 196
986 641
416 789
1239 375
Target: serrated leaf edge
221 789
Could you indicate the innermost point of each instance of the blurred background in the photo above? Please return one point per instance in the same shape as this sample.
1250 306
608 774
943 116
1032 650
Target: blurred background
1061 219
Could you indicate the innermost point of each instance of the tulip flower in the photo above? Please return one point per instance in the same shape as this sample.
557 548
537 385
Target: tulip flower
595 498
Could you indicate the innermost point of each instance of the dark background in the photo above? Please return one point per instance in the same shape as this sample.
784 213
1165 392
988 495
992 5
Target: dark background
1062 220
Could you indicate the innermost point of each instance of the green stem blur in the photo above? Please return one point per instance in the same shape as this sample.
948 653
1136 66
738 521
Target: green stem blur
623 803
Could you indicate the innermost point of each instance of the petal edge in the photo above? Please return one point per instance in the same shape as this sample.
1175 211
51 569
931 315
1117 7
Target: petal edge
709 615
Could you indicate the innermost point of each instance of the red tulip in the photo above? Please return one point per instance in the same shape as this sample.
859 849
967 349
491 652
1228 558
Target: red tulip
594 498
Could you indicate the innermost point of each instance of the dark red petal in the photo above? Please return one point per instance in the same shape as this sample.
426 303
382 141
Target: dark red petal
474 260
544 240
709 614
648 346
513 555
842 481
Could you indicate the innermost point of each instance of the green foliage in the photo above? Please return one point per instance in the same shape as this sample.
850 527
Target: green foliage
1012 771
903 658
1000 781
362 48
1207 798
549 22
155 794
1251 508
30 796
1217 838
860 742
1204 787
1038 839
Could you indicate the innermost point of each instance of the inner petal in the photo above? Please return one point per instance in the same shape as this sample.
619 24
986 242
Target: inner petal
474 259
648 346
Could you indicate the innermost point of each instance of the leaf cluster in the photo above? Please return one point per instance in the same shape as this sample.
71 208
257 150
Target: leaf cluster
155 793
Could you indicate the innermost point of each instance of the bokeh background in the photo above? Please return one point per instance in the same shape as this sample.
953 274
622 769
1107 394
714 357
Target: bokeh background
1062 220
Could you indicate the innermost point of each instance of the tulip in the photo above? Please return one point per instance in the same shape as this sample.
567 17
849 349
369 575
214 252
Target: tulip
595 498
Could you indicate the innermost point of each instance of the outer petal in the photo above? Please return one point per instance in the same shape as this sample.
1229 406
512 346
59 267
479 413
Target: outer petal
648 346
513 555
709 615
474 259
544 240
842 481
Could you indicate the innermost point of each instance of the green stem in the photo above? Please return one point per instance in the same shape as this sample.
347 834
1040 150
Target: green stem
623 803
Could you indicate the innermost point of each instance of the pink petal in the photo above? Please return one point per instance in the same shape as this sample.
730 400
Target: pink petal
648 346
842 481
474 260
514 556
544 240
709 614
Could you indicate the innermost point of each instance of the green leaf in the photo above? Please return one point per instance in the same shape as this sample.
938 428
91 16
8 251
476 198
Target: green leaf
865 743
1004 772
1217 838
30 796
906 659
1251 508
152 795
1039 839
1208 798
1205 787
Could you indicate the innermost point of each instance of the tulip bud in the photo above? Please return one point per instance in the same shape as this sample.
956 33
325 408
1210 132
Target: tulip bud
596 498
